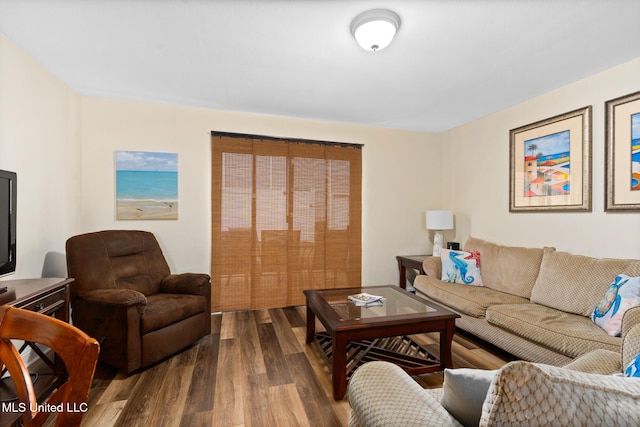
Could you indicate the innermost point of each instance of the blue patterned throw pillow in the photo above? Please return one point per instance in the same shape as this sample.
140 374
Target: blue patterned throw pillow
461 267
622 294
633 370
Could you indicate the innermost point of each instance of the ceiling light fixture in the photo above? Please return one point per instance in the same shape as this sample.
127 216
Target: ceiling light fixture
375 29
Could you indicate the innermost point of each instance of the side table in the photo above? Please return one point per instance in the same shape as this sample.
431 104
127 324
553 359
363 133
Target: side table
409 261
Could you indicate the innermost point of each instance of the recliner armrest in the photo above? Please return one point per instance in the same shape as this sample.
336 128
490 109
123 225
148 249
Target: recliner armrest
113 317
126 297
186 283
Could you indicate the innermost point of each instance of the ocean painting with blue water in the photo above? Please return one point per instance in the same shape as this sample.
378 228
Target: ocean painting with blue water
635 152
146 185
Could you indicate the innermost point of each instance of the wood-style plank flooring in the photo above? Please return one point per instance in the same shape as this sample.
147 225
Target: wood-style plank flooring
253 370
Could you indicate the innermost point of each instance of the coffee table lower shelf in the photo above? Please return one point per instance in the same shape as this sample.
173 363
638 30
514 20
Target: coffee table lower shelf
401 350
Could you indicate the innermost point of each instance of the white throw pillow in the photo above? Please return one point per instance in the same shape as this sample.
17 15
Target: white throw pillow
464 391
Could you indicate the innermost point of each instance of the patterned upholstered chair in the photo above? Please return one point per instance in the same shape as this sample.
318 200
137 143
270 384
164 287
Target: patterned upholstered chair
588 391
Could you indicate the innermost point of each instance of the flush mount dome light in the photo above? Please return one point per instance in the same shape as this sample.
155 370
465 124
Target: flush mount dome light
374 29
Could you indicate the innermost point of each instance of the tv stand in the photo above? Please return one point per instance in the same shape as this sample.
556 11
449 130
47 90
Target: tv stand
48 296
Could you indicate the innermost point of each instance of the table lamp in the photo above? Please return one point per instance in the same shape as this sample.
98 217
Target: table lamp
439 220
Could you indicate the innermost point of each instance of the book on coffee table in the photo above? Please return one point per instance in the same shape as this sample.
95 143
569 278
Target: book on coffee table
365 299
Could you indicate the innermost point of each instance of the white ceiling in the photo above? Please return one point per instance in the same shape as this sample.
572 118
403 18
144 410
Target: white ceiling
452 61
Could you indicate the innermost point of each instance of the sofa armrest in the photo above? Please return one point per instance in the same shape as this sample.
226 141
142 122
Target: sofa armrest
630 345
630 336
630 319
382 394
600 361
432 266
186 283
524 393
125 297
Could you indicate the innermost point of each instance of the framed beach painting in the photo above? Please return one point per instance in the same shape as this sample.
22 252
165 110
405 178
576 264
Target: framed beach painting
622 166
550 164
146 185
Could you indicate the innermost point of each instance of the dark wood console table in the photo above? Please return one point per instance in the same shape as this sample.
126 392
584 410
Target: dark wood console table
48 296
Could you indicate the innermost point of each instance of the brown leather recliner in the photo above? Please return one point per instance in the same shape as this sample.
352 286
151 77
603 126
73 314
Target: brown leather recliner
125 296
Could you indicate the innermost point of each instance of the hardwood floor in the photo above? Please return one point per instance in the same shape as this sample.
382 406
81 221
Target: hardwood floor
253 370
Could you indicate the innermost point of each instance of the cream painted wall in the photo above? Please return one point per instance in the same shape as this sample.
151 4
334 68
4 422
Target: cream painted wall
477 188
396 164
62 146
39 139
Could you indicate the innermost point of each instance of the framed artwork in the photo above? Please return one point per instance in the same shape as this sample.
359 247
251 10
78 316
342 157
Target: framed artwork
622 165
146 185
550 164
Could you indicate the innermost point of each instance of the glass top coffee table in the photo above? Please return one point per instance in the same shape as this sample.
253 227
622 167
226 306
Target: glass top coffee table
358 334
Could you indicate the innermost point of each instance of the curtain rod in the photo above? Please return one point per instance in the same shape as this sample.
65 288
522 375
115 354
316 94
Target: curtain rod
290 140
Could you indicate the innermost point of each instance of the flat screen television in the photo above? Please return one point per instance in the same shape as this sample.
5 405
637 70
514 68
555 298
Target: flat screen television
8 203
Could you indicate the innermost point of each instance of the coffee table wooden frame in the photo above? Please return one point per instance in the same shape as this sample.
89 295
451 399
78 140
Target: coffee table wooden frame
344 331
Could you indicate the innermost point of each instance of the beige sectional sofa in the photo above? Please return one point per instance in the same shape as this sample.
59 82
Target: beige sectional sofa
590 391
536 303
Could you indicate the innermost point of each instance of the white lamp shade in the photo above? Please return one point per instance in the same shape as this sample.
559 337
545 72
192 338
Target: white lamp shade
439 220
375 29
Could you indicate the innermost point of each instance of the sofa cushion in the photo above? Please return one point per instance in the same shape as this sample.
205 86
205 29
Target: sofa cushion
461 267
166 309
469 300
622 294
463 393
575 283
508 269
568 334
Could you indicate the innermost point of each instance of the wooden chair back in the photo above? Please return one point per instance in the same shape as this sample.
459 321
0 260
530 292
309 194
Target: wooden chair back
78 351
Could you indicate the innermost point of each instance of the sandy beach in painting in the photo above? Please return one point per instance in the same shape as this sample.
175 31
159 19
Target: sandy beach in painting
146 209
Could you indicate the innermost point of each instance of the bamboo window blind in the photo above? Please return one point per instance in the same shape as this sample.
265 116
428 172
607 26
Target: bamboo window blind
286 216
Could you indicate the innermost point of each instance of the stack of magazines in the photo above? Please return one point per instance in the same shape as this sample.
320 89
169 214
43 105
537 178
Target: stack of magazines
366 300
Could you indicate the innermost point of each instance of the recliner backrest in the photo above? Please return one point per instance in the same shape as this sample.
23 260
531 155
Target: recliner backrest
115 259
